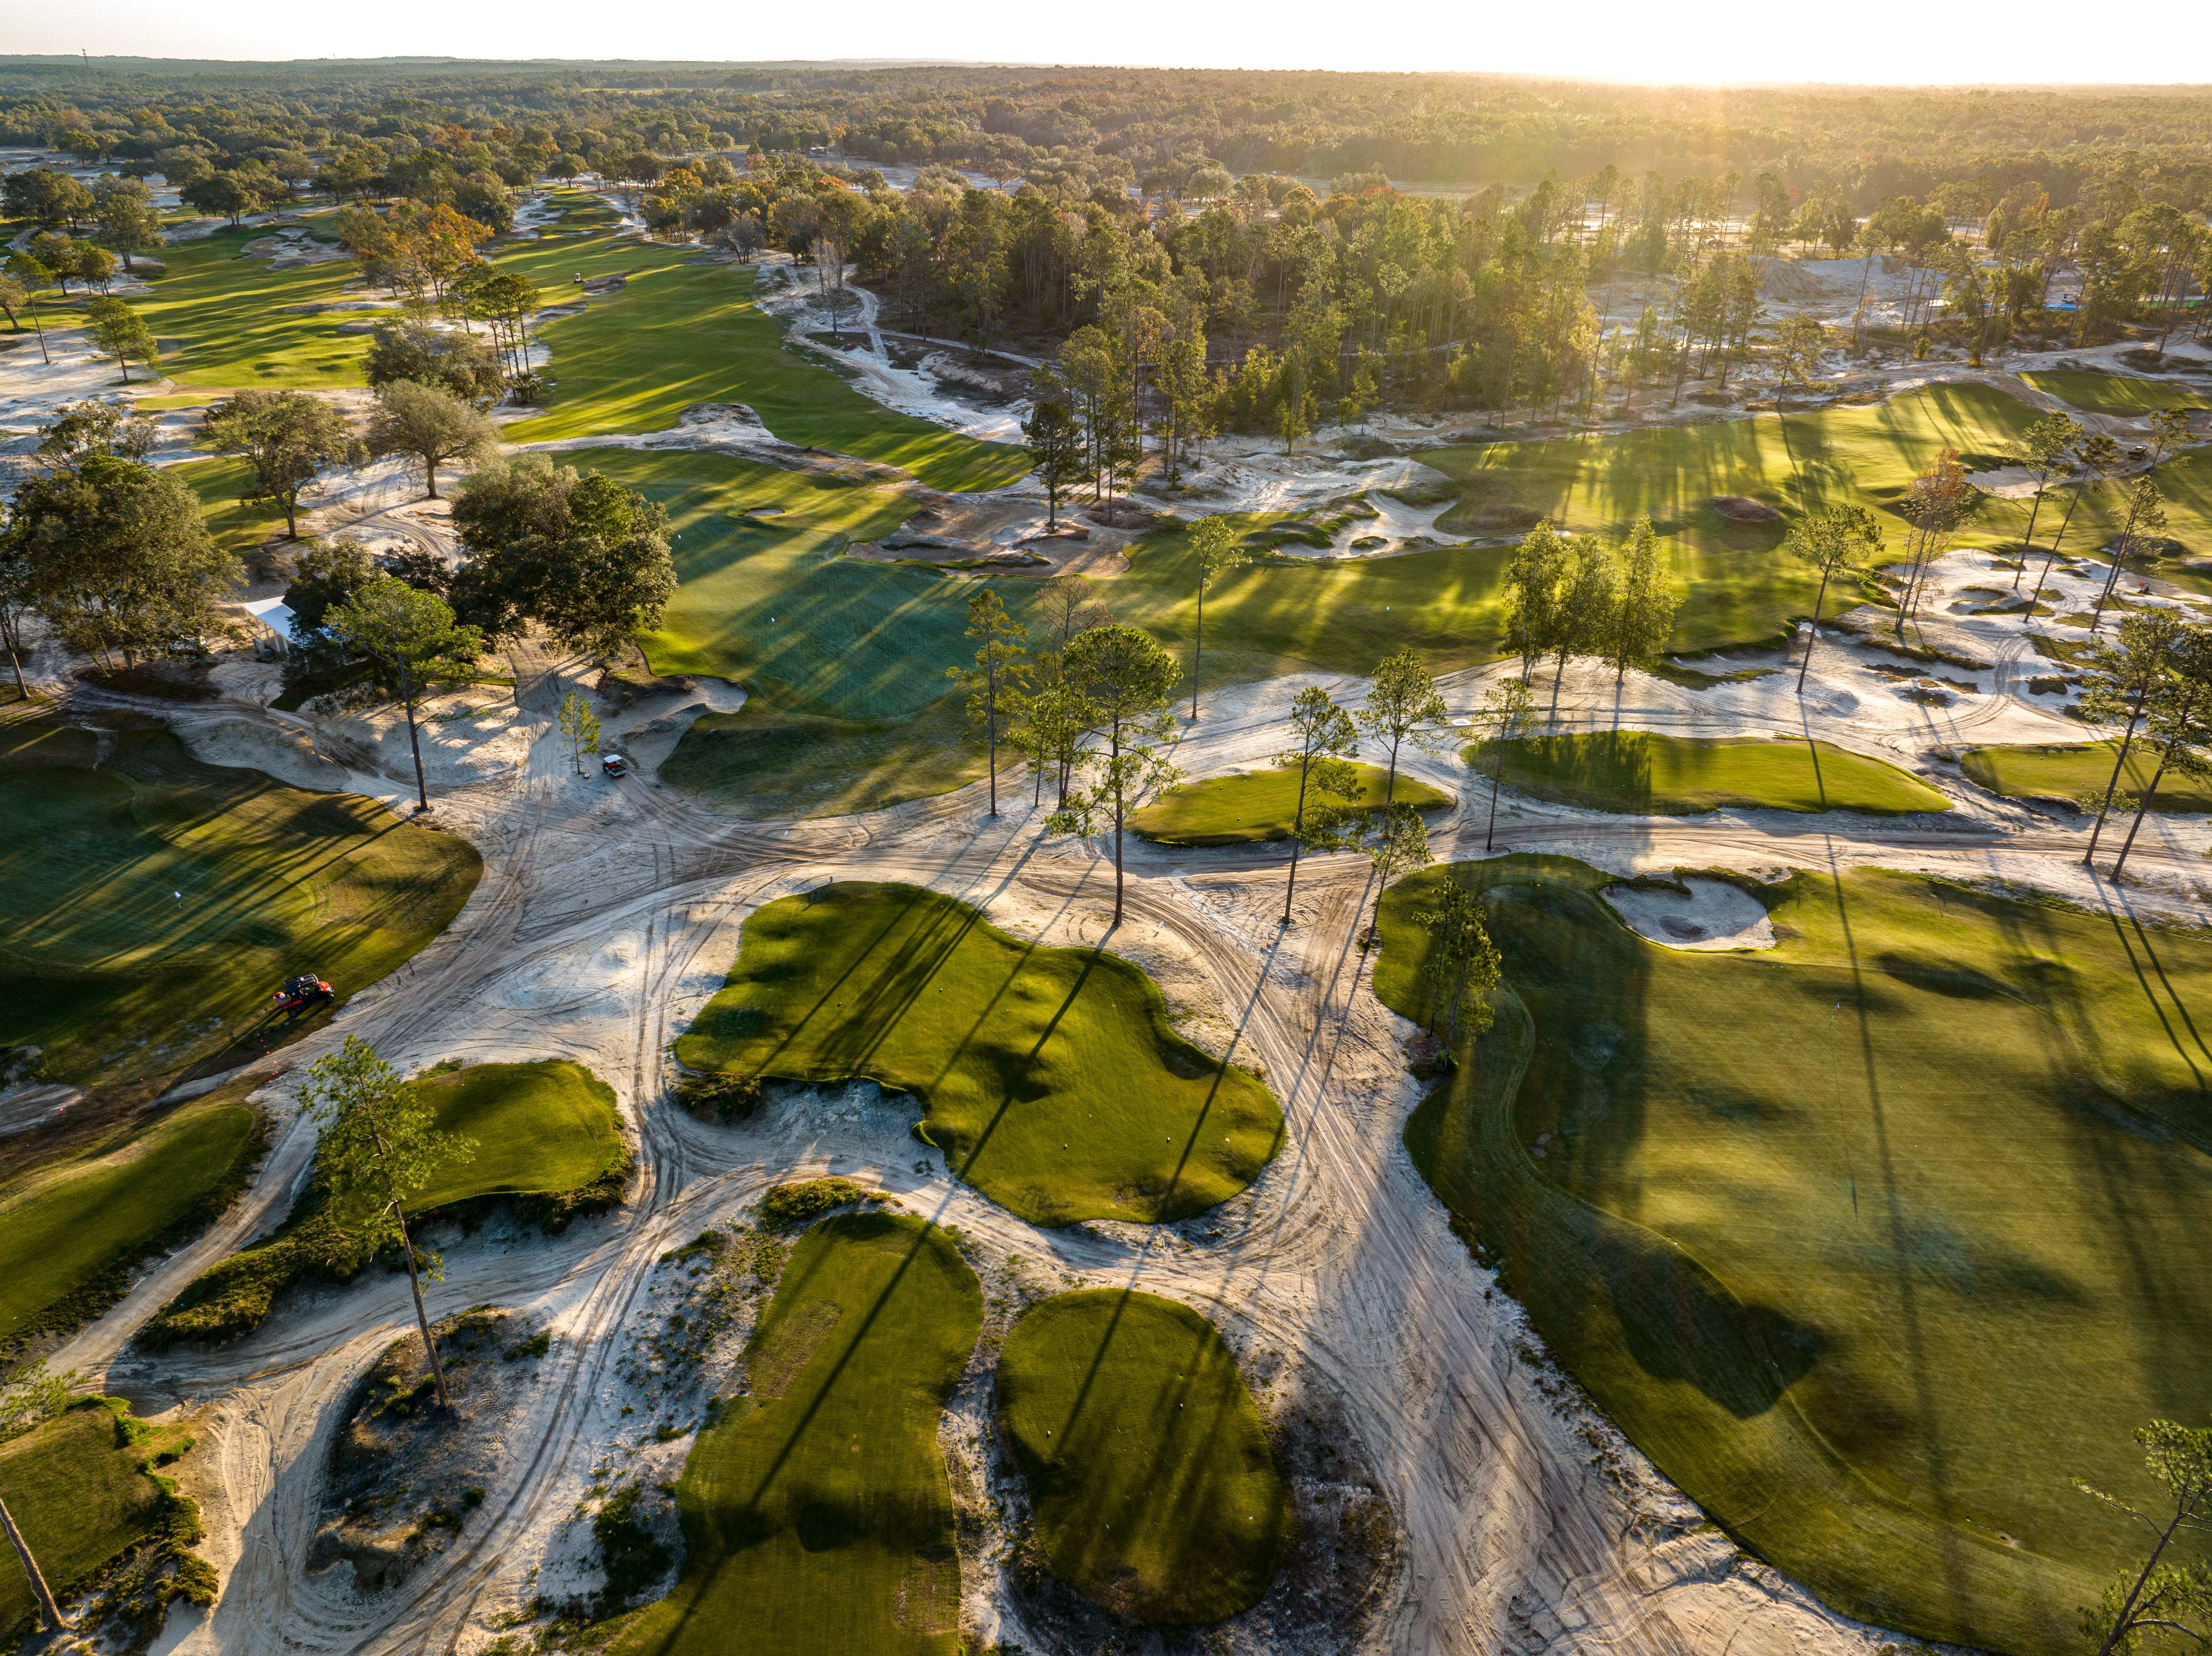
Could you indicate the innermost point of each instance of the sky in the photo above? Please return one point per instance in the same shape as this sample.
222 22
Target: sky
1702 42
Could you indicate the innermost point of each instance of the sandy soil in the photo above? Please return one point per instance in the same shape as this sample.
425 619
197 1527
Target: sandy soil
1708 914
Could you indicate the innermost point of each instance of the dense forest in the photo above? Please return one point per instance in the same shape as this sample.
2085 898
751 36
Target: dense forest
1240 249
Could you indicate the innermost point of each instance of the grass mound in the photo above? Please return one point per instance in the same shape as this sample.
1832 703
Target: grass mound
816 1514
2070 770
1156 1493
1051 1078
794 1205
150 903
758 762
1873 1241
548 1137
1234 811
2114 393
83 1490
70 1231
1644 775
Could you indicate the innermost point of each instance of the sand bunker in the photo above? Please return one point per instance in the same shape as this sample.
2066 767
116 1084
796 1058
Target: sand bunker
1699 914
1742 509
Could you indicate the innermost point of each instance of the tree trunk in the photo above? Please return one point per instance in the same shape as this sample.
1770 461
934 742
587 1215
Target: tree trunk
1298 836
2057 541
2142 809
421 1317
1496 781
2088 857
991 724
48 1609
414 742
1117 822
430 474
291 514
2028 541
1198 651
1812 638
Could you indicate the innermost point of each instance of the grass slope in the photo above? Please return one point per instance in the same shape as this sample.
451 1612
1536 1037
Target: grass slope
235 324
79 1488
818 1517
2113 393
2070 770
681 332
1643 774
546 1132
1051 1078
71 1230
1873 1241
150 903
1233 811
1155 1492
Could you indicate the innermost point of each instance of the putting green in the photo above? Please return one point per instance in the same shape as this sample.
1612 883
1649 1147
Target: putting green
150 903
547 1132
1051 1077
1232 811
1155 1492
2069 771
1873 1241
1648 775
2113 393
681 332
79 1488
71 1230
817 1516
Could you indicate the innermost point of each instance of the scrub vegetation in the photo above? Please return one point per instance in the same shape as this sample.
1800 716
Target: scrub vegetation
1049 1077
1829 1229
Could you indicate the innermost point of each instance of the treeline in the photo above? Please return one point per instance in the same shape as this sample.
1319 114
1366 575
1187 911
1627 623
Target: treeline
2106 149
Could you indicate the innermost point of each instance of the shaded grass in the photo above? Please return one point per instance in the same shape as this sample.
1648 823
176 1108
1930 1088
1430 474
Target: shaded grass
548 1136
2069 770
2114 393
1873 1241
1645 775
758 762
681 334
80 1489
71 1230
150 903
1155 1491
817 1516
234 522
1051 1077
1231 810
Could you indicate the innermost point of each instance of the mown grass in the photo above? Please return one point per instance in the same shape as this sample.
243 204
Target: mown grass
2069 771
817 1515
681 332
1050 1077
1233 811
1642 773
149 904
2114 393
758 762
547 1135
71 1229
1155 1492
234 522
1873 1241
232 319
80 1489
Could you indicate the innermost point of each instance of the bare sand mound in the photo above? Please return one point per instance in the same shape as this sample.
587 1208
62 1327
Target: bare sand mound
1696 914
1742 509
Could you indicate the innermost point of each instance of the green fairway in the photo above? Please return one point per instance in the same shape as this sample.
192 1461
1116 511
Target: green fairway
758 762
682 332
235 321
1648 775
79 1488
230 519
70 1231
1235 811
817 1516
1050 1077
540 1128
1156 1493
2112 393
2071 770
547 1133
149 904
1873 1241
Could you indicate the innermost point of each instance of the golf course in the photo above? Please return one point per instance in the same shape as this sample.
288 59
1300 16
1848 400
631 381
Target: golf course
1829 1229
1049 1077
1648 774
1262 805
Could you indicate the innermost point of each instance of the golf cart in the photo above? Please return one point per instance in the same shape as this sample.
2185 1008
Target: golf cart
299 993
614 765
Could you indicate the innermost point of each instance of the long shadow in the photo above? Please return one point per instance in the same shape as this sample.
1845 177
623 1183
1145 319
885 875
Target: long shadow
2180 1009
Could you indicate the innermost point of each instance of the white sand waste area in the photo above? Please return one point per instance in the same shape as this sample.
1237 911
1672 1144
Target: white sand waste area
1701 915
